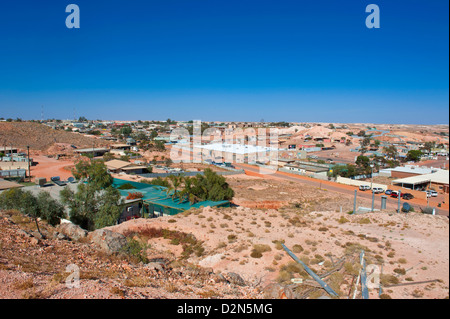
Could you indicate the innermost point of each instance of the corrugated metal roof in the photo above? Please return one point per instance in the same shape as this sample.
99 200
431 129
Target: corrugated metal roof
439 177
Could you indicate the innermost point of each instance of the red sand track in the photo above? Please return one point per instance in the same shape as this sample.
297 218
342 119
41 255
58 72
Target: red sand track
49 167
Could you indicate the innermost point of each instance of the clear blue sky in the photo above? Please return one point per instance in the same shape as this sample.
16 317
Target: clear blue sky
246 60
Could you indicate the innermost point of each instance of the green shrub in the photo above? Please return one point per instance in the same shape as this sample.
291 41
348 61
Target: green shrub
136 250
126 186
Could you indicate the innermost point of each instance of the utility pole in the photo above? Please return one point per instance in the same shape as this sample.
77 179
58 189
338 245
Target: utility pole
371 176
29 171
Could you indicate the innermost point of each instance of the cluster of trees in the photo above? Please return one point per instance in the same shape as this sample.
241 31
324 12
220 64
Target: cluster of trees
42 206
152 145
96 203
209 186
361 167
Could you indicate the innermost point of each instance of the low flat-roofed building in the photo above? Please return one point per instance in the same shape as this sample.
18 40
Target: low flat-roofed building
308 168
95 151
410 170
438 180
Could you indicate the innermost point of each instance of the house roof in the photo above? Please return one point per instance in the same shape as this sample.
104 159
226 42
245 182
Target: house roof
117 164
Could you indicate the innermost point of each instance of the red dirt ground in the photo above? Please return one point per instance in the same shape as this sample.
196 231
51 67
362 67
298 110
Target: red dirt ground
49 167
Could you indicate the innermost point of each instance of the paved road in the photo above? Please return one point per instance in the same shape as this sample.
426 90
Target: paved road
391 203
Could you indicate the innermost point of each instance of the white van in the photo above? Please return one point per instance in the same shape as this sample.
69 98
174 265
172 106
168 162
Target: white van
364 187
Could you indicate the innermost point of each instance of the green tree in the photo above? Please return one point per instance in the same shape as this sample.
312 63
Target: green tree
175 183
428 146
153 134
96 203
365 142
94 172
50 209
42 206
126 131
414 155
91 208
362 133
209 186
159 145
108 156
390 151
157 181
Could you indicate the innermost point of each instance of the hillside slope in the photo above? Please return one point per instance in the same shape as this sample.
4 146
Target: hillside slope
40 137
36 268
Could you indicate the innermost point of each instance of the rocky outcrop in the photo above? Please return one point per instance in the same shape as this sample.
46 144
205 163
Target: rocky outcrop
72 231
108 241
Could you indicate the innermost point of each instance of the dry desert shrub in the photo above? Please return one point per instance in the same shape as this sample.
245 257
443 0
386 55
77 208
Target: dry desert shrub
342 220
400 271
363 221
278 244
387 280
259 249
171 287
297 249
25 284
117 291
417 293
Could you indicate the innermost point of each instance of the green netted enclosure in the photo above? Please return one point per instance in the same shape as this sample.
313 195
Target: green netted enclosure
158 202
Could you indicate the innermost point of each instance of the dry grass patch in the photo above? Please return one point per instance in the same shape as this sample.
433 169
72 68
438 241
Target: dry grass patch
259 249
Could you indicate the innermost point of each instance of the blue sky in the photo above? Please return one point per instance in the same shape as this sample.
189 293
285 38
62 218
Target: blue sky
304 61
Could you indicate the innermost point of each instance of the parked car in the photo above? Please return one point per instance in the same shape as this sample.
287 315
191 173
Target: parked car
388 191
394 194
57 180
364 187
407 196
432 193
378 190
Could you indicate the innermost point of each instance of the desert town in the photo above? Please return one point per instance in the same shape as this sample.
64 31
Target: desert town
277 210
